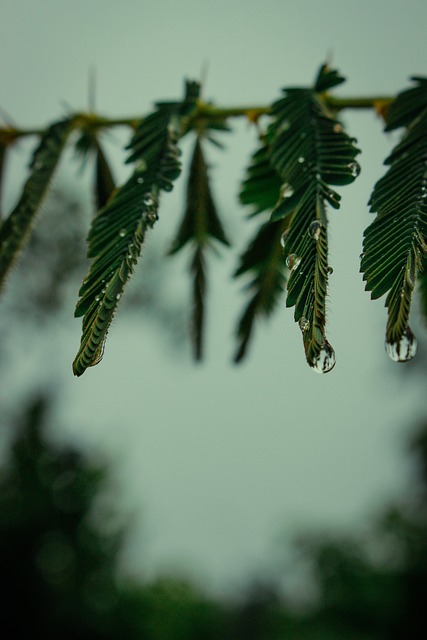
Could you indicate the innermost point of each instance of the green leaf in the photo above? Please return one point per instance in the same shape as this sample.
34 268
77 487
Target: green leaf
395 243
3 148
118 231
87 145
422 280
16 229
200 226
310 151
261 187
104 185
263 260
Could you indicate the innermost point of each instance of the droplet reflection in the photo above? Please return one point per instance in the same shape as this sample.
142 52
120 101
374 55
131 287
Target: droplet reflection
325 361
403 350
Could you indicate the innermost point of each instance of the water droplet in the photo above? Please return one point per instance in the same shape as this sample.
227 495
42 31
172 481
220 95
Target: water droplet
292 261
325 361
122 232
304 324
286 191
330 270
301 159
338 128
283 239
354 168
98 298
140 180
405 349
118 296
315 229
148 201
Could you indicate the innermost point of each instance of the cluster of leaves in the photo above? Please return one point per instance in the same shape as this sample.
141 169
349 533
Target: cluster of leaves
303 153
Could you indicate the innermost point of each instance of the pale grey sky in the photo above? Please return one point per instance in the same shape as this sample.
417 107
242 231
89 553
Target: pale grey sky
216 461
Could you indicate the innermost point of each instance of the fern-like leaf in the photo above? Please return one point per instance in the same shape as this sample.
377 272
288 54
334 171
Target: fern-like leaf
118 231
16 228
422 277
261 187
395 244
264 261
310 151
3 148
200 226
88 145
104 185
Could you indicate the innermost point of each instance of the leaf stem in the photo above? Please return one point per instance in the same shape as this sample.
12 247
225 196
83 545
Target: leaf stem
205 112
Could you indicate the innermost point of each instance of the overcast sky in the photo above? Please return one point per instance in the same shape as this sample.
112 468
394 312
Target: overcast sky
216 462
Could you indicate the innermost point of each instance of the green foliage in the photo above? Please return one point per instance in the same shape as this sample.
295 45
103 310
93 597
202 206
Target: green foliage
303 154
15 230
119 229
395 243
60 549
263 259
308 150
200 226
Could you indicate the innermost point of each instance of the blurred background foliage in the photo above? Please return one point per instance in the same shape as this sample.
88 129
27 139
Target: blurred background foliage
60 557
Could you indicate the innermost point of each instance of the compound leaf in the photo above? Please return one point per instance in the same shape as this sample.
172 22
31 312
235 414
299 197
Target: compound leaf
118 231
200 226
263 259
395 242
310 151
16 229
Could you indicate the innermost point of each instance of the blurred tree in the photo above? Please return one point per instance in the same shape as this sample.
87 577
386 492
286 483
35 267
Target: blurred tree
59 562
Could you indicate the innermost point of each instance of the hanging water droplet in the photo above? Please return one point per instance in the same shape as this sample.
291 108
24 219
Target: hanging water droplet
148 201
304 324
325 361
283 239
338 128
122 232
292 261
140 180
405 349
315 229
329 270
354 168
301 159
97 298
118 296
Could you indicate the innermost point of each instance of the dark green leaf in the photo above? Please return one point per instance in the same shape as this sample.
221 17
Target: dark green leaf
261 187
310 151
408 105
118 231
16 228
263 260
422 278
104 180
395 243
200 226
3 148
